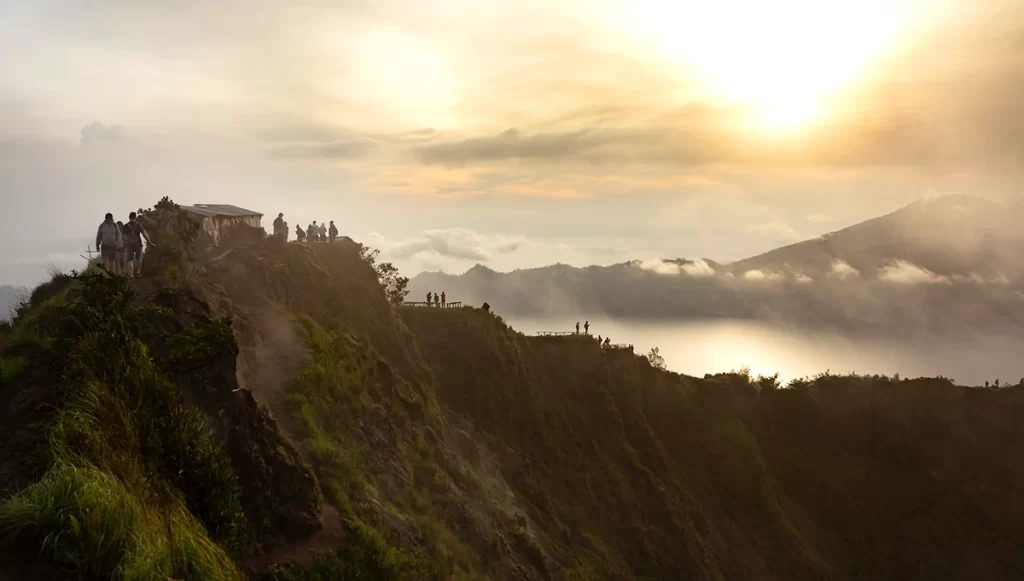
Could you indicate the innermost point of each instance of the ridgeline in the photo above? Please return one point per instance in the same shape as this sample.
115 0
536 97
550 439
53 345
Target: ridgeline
263 410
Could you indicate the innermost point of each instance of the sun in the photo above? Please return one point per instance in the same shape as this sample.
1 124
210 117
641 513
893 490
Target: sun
783 61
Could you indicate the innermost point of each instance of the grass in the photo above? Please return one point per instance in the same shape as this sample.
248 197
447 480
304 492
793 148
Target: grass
364 557
86 520
135 489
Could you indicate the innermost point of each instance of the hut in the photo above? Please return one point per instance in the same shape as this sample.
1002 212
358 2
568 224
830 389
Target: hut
215 219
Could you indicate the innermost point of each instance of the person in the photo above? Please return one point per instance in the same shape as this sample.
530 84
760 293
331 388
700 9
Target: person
437 301
119 259
430 297
598 339
134 234
486 307
106 242
280 229
577 327
607 341
314 232
444 300
285 230
586 327
299 234
333 231
323 232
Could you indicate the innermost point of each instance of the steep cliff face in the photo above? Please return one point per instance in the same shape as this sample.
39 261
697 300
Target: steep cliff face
444 444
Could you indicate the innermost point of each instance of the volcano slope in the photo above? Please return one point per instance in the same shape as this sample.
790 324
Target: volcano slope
168 433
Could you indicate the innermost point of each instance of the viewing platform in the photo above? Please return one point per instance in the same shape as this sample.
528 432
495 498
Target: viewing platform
425 304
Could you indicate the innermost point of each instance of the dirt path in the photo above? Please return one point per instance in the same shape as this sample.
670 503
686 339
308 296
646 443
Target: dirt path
266 372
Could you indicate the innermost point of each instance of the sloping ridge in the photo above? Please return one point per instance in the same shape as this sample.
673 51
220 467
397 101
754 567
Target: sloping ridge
485 454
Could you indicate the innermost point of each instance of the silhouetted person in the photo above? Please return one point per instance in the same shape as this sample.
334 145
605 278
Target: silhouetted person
300 235
486 307
313 232
106 242
577 327
607 341
437 301
134 233
986 384
323 232
430 298
444 300
333 232
598 339
586 327
285 231
280 230
119 259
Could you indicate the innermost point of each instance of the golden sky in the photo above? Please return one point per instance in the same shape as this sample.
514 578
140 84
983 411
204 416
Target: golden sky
655 128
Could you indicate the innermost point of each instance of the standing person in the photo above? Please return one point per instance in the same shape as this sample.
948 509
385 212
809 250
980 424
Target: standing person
106 242
577 327
134 234
430 296
313 232
333 231
323 232
280 229
285 231
119 259
586 327
299 234
444 300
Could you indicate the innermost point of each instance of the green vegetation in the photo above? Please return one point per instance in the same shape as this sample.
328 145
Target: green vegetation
131 467
364 557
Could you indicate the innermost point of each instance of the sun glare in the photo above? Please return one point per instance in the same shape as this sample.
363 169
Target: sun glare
781 60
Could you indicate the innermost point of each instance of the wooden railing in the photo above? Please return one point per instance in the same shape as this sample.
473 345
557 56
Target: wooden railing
451 305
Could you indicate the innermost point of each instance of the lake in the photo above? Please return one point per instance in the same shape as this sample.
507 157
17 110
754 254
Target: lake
700 347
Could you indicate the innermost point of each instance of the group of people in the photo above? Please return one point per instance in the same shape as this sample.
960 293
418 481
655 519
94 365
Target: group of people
120 245
312 233
606 342
439 300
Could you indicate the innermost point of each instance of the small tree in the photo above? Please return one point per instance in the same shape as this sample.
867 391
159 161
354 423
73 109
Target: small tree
654 356
393 283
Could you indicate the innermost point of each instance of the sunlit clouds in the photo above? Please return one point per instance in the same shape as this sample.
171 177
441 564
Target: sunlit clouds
779 120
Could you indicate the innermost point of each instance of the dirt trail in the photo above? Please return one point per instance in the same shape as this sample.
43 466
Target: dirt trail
266 372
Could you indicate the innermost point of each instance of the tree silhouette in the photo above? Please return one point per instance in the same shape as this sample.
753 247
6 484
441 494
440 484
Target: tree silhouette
654 356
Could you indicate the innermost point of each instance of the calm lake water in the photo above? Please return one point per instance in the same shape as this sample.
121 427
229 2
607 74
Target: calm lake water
696 348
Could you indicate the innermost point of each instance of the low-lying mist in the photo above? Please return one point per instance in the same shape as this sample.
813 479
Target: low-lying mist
698 347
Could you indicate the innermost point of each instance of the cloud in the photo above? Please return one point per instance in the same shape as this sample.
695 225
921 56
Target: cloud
695 268
759 275
841 270
339 149
454 243
97 133
699 267
903 272
803 278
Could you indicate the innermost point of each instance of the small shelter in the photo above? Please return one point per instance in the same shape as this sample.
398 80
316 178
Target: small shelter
215 219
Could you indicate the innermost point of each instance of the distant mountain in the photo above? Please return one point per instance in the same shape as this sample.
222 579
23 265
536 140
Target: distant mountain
9 297
952 235
947 262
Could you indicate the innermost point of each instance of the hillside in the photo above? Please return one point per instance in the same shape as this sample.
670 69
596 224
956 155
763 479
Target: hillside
946 265
264 412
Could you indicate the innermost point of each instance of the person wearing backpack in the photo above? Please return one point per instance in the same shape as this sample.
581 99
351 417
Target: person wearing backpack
106 242
333 232
134 233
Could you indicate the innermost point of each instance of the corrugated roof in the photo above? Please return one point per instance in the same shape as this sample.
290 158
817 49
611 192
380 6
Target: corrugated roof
219 210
